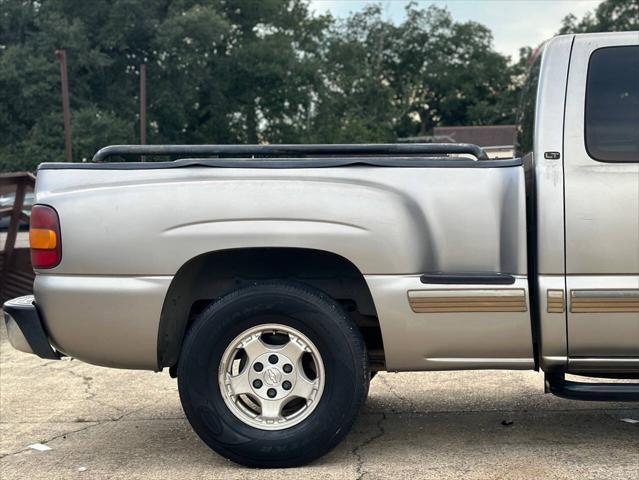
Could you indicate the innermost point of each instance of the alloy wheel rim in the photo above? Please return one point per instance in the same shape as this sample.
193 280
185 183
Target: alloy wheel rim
271 376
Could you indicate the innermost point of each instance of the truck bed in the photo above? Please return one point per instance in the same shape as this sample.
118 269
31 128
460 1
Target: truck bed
128 228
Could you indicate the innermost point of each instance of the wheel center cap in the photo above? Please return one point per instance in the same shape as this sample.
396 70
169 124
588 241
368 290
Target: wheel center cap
272 376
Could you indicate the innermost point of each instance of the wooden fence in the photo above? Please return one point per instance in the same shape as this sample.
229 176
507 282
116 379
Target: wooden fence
16 273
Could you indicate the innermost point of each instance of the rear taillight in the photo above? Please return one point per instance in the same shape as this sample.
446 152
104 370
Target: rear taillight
44 237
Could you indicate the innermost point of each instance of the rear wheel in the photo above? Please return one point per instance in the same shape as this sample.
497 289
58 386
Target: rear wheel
273 375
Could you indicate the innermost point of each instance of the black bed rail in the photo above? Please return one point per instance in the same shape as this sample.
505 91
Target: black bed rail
295 150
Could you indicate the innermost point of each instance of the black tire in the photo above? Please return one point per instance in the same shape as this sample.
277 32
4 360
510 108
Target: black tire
325 323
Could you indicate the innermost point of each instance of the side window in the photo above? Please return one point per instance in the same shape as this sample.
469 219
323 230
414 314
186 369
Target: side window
527 104
612 105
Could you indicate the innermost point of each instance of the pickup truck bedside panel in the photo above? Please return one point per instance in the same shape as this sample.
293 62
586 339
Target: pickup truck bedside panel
384 220
125 233
498 337
104 320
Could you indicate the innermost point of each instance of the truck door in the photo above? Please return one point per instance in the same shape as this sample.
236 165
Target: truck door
601 148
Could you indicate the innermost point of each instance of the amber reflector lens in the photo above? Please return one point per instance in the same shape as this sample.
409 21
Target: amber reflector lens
44 237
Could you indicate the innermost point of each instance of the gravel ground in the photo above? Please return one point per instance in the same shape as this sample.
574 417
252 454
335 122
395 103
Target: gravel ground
106 424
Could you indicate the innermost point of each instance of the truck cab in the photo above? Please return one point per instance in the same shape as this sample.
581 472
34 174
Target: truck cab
585 163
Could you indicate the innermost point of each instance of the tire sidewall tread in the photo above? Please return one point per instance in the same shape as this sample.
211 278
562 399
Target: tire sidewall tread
342 349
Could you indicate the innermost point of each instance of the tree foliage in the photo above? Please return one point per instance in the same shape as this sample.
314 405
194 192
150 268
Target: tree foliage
387 81
240 71
218 72
609 16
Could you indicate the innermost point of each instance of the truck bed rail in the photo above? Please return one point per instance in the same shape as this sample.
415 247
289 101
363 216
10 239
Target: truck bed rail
271 151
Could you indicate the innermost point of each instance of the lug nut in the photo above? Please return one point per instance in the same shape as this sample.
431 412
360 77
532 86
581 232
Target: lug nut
286 385
288 368
258 367
257 383
273 359
271 392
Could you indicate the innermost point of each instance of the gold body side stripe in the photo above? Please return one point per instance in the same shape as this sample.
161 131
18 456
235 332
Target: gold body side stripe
476 300
604 301
555 300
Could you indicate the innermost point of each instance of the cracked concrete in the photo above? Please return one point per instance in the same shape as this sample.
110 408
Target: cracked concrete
446 425
402 398
359 470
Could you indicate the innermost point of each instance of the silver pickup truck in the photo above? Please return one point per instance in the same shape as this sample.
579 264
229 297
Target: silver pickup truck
273 281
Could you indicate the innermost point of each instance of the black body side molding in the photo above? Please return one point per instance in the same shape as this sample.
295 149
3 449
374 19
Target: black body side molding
468 278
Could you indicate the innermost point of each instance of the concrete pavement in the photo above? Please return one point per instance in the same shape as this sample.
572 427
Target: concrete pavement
108 424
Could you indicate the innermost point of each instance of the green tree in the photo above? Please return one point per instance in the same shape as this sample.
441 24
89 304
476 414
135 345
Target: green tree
239 71
609 16
218 72
274 66
459 79
355 102
385 81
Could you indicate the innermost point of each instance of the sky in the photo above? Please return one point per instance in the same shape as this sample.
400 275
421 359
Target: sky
514 23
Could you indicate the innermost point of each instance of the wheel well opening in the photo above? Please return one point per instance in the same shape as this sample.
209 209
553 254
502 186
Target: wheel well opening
212 275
